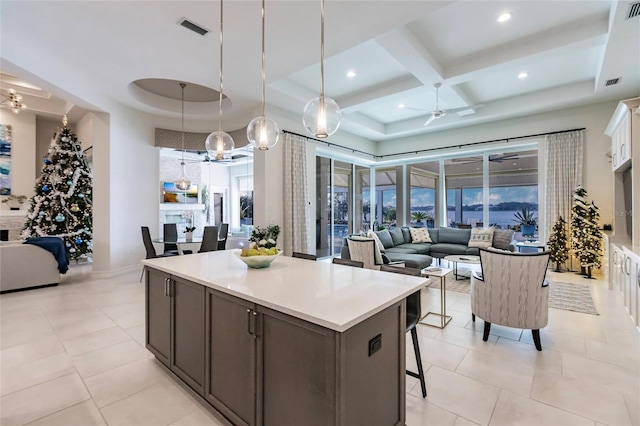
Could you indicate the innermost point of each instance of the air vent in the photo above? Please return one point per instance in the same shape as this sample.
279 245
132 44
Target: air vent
634 10
612 81
193 26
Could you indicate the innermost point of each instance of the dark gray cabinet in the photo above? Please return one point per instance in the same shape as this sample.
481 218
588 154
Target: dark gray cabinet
175 312
158 315
259 366
231 357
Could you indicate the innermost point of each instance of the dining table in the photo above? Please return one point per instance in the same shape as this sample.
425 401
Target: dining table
181 241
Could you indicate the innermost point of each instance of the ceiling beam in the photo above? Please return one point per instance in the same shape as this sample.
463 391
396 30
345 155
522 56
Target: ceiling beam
371 95
409 51
583 34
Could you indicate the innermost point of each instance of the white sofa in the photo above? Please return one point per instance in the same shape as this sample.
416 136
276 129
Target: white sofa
25 266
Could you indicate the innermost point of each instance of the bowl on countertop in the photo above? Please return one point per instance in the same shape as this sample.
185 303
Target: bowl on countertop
258 262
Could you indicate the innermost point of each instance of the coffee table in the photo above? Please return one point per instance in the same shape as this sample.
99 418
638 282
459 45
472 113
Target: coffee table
440 273
455 259
531 244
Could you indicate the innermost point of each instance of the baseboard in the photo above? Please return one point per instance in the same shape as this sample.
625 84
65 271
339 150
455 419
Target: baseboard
13 290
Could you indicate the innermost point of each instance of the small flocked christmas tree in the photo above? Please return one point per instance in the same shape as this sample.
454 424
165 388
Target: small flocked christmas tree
578 222
62 204
591 246
558 251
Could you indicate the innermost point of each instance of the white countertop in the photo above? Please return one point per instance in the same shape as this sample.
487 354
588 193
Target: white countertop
333 296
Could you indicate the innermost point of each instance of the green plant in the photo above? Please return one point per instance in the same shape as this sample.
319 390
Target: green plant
265 237
189 228
525 216
419 216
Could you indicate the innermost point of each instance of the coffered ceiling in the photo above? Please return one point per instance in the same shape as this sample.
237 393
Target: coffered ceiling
90 52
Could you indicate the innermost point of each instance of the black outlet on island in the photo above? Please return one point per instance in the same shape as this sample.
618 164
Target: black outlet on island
375 344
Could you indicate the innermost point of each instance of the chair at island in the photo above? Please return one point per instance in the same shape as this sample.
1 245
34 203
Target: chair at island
301 255
347 262
150 249
209 239
511 291
414 312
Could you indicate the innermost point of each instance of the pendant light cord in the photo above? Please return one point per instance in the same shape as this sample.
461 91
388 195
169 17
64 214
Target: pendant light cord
182 85
321 49
263 73
221 57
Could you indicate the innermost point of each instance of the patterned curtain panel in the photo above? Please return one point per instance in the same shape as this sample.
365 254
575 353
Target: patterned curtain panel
296 195
564 173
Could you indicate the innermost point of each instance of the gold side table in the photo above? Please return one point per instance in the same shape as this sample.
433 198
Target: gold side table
444 318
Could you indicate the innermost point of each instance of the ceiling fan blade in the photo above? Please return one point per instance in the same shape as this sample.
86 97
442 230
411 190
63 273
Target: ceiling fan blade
454 110
416 109
433 117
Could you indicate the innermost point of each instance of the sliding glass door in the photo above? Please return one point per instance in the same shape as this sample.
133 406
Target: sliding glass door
340 210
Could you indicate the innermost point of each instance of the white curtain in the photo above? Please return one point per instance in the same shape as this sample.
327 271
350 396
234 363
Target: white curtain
296 195
564 153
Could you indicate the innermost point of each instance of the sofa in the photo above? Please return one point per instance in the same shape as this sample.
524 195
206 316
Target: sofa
399 246
25 266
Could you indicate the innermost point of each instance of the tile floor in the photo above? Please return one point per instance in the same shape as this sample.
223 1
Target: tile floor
74 355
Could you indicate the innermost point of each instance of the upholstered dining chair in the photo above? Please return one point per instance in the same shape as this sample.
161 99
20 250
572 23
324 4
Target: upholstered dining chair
170 232
347 262
150 249
414 312
209 239
301 255
511 291
223 232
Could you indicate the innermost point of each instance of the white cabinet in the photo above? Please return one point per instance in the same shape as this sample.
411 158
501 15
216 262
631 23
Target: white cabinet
631 270
621 139
617 268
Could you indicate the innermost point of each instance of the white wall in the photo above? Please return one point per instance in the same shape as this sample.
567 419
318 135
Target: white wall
23 149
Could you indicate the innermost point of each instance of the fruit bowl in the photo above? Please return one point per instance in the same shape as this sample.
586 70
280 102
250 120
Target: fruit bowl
258 262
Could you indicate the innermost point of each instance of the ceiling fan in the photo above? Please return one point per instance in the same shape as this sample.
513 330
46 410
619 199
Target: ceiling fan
208 159
498 158
439 113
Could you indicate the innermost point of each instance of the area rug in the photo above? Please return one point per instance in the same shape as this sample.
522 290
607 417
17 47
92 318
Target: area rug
566 296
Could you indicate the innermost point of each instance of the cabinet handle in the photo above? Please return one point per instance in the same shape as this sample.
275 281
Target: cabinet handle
249 322
627 261
166 286
255 324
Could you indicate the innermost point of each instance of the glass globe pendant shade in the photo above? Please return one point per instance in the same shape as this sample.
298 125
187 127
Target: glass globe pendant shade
183 183
263 133
321 117
219 145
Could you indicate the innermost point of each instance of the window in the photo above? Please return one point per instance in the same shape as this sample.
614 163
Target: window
422 200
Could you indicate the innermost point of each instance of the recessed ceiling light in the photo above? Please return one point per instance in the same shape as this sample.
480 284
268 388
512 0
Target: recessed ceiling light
351 74
504 17
523 75
400 106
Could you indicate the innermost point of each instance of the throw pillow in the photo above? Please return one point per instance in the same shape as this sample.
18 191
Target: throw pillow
396 236
481 237
406 234
385 238
373 235
420 235
502 238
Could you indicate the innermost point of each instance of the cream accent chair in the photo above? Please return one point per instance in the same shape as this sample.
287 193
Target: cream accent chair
26 266
365 250
512 291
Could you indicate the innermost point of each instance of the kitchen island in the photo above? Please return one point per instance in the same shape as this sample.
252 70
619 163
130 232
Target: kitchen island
299 343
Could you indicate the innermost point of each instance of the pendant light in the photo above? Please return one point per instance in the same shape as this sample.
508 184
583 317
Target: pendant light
321 116
183 183
262 132
220 144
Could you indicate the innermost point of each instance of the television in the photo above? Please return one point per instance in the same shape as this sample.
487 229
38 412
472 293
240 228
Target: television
171 194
